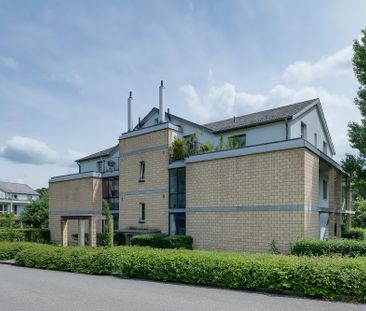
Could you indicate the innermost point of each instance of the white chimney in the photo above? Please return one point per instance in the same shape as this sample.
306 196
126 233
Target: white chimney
161 103
129 112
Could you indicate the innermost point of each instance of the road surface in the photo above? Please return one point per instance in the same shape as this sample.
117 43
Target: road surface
38 290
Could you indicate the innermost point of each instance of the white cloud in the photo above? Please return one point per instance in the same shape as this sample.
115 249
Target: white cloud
221 101
335 64
71 78
8 62
28 150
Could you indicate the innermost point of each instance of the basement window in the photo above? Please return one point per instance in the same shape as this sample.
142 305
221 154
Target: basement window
142 171
142 213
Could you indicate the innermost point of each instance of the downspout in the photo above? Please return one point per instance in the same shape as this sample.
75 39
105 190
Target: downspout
286 123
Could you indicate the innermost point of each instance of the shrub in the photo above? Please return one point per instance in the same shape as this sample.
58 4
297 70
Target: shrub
351 248
355 233
35 235
119 238
108 234
321 276
8 250
161 240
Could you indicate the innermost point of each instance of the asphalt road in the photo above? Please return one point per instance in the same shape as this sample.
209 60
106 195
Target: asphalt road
36 290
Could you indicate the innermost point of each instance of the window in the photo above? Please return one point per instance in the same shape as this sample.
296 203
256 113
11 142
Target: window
177 188
316 140
192 143
177 201
238 141
303 130
110 192
325 190
177 223
115 221
142 213
325 147
142 171
100 166
156 121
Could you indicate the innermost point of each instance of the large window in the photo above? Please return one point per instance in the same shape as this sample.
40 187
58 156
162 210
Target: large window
177 188
177 201
177 223
111 192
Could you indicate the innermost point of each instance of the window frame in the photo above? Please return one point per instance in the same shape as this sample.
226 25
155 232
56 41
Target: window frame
142 212
304 130
178 193
142 170
325 190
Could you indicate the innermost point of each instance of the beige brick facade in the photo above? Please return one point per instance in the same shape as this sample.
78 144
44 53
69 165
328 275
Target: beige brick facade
73 198
153 149
277 194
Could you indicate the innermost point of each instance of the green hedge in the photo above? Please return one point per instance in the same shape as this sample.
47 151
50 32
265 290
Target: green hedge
161 240
321 276
36 235
351 248
102 238
8 250
355 233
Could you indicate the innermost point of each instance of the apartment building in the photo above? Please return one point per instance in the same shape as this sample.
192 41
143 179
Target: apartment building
245 183
15 196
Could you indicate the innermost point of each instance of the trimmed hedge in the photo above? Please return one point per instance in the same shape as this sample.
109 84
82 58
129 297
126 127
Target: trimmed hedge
161 240
35 235
8 250
102 238
355 233
321 276
351 248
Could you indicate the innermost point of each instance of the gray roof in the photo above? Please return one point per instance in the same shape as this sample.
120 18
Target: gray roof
11 187
100 154
262 117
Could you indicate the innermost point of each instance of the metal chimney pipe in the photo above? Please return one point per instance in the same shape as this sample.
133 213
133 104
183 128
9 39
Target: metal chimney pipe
129 112
161 103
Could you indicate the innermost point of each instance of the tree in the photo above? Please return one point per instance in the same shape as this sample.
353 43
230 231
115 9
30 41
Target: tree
357 131
355 165
108 224
35 214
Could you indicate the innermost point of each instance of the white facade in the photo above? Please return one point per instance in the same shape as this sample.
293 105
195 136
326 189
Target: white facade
100 165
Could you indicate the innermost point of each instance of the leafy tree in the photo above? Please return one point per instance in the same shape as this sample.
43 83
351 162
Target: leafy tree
357 131
35 214
108 224
355 166
359 219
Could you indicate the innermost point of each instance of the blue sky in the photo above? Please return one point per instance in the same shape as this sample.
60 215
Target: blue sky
66 68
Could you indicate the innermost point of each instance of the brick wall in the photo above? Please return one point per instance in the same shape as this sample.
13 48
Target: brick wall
73 197
274 181
154 190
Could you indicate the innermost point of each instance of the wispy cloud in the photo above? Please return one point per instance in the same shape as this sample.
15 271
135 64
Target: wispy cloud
336 64
8 62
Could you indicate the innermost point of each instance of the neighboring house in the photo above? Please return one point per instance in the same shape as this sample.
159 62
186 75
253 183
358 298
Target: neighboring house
278 184
14 197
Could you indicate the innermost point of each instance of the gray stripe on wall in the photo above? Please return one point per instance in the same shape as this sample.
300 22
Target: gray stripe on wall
143 150
259 208
263 208
148 191
74 213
